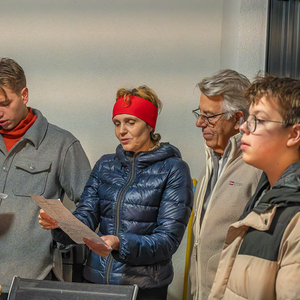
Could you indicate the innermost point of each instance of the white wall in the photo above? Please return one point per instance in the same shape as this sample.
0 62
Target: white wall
243 41
77 54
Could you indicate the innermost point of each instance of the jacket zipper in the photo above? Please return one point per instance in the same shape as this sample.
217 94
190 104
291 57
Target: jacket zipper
109 266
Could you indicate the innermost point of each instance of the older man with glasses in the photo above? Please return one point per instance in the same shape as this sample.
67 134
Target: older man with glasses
226 183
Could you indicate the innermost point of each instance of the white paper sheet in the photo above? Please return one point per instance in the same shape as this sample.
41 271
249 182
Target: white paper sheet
74 228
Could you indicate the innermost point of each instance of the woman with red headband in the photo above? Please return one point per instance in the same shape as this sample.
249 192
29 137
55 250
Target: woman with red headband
141 196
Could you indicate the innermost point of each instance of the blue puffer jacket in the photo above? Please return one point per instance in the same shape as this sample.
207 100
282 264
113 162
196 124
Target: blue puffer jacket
145 200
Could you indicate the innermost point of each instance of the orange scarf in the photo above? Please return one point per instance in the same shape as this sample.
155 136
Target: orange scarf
11 137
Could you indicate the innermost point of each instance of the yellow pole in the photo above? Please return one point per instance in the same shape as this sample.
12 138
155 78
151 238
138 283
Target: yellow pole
188 251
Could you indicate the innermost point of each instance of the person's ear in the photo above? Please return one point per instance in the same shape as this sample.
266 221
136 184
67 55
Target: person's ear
237 116
294 137
149 127
24 94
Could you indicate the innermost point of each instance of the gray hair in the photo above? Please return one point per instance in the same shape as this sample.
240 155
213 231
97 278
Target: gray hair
231 85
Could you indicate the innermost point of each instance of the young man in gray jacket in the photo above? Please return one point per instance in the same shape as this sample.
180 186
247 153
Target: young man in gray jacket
226 183
35 158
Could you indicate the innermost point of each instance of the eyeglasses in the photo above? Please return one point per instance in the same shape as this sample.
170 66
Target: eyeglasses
207 120
252 122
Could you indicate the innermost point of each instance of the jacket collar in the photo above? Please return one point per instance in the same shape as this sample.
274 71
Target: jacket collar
35 134
232 150
38 130
286 191
146 158
290 178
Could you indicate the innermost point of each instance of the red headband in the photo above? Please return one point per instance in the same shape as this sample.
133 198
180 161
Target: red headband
138 107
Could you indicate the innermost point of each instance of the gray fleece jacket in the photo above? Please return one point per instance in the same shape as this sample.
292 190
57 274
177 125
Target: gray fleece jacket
47 161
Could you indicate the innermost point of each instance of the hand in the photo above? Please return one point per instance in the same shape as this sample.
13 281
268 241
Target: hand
111 240
46 222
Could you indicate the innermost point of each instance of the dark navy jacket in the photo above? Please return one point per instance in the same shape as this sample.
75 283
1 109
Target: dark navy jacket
145 200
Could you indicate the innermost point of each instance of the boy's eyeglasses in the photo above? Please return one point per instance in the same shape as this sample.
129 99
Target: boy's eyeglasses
252 122
207 120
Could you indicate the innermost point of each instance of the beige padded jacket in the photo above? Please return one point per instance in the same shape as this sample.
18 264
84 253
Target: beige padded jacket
261 256
241 277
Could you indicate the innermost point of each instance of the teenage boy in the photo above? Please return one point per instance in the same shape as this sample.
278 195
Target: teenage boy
38 158
261 255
